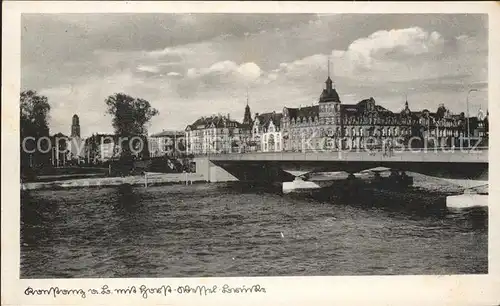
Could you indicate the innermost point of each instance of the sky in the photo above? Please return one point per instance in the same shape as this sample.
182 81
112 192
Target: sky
193 65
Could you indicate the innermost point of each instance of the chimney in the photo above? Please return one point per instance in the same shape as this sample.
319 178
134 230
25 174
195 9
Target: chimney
228 117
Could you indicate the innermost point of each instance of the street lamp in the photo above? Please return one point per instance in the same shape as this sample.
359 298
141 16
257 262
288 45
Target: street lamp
468 127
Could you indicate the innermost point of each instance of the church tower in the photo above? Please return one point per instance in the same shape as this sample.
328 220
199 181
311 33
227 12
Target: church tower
75 127
247 118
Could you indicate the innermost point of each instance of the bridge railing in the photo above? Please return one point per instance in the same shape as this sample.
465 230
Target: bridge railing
357 150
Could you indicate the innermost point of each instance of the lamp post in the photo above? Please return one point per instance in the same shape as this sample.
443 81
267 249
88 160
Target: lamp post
468 127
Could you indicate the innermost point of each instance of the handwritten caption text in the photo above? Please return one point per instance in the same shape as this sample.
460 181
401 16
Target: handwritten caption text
144 291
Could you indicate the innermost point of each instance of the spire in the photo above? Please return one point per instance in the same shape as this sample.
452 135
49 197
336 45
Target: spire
328 67
247 117
329 80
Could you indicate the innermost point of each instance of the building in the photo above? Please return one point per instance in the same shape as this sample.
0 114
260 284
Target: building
59 150
100 148
479 129
215 134
266 132
166 143
332 125
67 151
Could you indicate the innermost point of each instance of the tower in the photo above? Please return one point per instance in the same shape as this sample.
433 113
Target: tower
329 100
75 126
247 118
406 110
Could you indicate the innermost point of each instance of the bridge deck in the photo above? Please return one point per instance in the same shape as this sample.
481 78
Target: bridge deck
457 156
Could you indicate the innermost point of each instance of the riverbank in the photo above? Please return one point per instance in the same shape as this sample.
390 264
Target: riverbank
139 180
421 181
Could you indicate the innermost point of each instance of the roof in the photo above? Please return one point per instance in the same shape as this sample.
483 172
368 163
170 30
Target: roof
168 134
303 112
245 126
215 121
266 118
60 135
331 96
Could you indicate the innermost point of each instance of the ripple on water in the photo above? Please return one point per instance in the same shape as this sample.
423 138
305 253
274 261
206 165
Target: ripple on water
207 230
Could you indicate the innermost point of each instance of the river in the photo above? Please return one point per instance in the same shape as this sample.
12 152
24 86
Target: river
222 230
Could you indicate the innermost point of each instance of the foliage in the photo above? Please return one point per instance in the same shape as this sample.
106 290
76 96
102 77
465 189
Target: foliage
34 116
130 117
441 111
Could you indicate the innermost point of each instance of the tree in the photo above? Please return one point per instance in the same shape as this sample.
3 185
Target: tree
130 117
34 116
441 111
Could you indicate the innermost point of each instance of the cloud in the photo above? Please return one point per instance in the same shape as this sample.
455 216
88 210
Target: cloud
151 69
394 54
204 63
173 51
249 71
227 70
174 74
395 43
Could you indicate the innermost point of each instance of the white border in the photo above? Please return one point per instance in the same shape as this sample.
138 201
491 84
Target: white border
342 290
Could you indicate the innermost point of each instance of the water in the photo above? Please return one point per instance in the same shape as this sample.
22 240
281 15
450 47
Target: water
216 230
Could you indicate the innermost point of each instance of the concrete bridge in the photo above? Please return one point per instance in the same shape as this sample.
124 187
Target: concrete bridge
284 166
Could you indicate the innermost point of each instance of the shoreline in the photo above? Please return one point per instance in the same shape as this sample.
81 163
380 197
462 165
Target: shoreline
153 179
421 181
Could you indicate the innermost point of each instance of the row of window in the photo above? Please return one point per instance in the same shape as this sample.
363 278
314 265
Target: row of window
208 132
329 107
370 120
359 131
272 146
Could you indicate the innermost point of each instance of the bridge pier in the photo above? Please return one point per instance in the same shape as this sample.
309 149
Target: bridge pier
211 172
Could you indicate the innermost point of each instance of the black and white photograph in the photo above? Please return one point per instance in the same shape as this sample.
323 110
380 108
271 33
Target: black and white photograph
248 144
204 145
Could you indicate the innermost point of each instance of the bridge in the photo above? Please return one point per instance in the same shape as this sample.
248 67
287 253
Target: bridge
461 164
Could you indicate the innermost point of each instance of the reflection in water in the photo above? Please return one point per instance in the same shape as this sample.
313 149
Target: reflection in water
35 214
126 202
233 230
131 214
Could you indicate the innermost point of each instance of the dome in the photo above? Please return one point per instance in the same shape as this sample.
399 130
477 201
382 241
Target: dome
333 96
